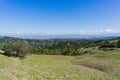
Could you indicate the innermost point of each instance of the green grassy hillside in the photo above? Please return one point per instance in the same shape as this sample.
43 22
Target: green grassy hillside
105 61
45 67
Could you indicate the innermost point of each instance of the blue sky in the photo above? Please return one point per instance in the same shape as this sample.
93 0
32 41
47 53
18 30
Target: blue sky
59 16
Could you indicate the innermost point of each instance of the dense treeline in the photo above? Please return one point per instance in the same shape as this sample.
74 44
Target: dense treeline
61 43
21 47
109 44
6 40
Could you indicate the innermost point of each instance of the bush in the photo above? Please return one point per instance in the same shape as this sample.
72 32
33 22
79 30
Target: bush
17 49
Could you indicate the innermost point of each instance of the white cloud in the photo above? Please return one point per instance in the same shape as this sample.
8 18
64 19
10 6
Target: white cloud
110 31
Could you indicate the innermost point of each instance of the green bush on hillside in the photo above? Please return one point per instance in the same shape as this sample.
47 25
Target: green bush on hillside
17 49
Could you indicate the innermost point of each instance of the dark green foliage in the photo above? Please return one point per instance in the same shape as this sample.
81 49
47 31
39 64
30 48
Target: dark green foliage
17 49
118 44
107 44
20 47
6 40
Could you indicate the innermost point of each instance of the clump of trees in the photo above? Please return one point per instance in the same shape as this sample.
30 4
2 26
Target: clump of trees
65 51
108 44
17 49
118 44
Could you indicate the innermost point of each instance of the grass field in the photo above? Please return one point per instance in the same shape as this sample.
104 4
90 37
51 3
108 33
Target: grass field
102 65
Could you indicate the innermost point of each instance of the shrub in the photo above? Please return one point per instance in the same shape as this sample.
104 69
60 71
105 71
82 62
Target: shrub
17 49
